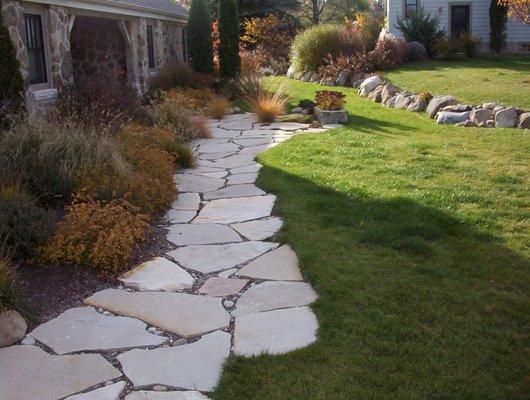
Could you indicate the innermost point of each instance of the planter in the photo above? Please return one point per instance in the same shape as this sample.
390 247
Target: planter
327 117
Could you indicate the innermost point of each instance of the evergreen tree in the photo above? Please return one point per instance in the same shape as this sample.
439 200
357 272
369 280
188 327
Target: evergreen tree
200 37
229 60
11 82
498 18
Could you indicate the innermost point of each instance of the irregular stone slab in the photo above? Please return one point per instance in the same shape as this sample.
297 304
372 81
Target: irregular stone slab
278 265
184 314
195 366
213 258
197 183
201 169
180 217
240 179
187 202
217 147
216 156
506 118
274 332
227 273
244 170
253 142
221 174
260 229
158 274
232 191
13 328
225 133
222 287
274 295
439 102
110 392
238 160
183 235
181 395
229 211
27 372
84 329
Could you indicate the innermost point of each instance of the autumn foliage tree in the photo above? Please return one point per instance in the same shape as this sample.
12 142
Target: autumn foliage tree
518 9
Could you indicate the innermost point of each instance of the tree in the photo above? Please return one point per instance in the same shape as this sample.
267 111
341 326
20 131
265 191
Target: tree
498 18
318 11
230 63
200 37
11 82
313 9
262 8
518 9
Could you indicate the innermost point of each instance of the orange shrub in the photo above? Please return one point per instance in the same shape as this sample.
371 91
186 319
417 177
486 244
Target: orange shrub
101 236
219 107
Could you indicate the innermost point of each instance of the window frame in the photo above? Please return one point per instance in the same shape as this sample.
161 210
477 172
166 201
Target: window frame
42 12
151 48
184 44
406 11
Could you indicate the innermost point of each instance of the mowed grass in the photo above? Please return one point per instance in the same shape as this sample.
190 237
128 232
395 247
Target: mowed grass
416 238
505 80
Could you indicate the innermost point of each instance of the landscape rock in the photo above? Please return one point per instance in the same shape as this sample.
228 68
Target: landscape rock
457 108
506 118
391 101
291 71
307 76
357 77
356 84
342 79
222 287
260 229
158 274
13 328
297 110
480 116
439 102
278 265
417 51
267 71
448 117
375 95
186 234
274 332
329 117
524 121
315 78
490 106
181 313
467 123
490 123
404 99
110 392
418 105
369 84
195 366
27 372
388 92
329 81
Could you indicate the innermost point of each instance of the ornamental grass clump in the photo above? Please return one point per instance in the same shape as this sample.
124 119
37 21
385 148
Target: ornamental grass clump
10 296
329 100
219 107
265 104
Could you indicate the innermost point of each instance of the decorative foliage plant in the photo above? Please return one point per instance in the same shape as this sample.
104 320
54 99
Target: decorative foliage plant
329 100
421 27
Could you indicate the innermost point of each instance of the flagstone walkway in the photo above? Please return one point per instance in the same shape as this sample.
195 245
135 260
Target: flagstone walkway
167 331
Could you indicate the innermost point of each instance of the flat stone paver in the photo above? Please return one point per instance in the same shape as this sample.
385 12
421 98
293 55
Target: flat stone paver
195 366
180 217
229 211
239 190
158 274
237 160
180 395
222 287
187 202
213 258
274 332
240 179
217 147
27 372
259 229
254 142
197 183
278 265
246 169
183 235
220 174
269 296
84 329
184 314
110 392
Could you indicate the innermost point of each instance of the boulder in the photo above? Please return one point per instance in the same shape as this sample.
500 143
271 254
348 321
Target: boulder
506 118
418 105
490 123
439 102
356 84
451 118
342 80
480 115
328 81
267 71
388 91
391 101
524 121
291 71
13 328
307 76
369 84
403 99
490 106
457 108
375 95
297 110
417 51
357 77
467 123
315 78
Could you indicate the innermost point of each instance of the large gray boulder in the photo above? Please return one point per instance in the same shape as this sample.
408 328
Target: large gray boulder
342 80
307 76
418 105
375 95
369 84
481 115
451 118
417 51
291 71
13 328
404 99
388 91
524 121
439 102
506 118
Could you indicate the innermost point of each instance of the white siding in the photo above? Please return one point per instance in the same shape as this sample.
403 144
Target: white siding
480 25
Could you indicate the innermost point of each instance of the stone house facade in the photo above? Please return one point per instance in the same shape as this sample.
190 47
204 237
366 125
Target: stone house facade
60 42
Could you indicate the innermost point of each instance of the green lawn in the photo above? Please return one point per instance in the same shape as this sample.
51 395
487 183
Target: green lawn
416 238
506 80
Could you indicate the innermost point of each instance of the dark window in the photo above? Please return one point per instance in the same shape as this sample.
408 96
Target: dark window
460 18
411 7
184 46
150 46
35 43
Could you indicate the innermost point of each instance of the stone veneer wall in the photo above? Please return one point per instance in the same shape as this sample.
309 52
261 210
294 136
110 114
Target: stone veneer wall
13 15
61 57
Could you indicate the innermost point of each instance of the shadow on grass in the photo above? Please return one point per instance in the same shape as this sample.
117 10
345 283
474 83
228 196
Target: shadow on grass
414 303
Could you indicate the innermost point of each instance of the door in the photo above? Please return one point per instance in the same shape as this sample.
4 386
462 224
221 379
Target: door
460 19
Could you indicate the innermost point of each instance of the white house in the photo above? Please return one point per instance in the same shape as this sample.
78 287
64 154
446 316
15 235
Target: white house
456 16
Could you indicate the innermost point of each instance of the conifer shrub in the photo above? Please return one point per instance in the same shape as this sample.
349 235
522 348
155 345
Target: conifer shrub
498 18
200 37
230 63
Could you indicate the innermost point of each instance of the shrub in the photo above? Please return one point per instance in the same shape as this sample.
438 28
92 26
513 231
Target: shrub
469 44
311 47
390 52
447 48
351 38
307 104
200 37
97 235
219 107
369 27
417 51
23 225
334 66
10 297
425 96
229 62
329 100
180 121
498 18
177 74
421 27
11 82
266 104
50 157
252 60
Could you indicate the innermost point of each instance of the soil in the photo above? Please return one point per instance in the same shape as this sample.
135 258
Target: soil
50 290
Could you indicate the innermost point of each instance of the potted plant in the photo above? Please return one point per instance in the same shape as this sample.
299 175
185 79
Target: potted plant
329 107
